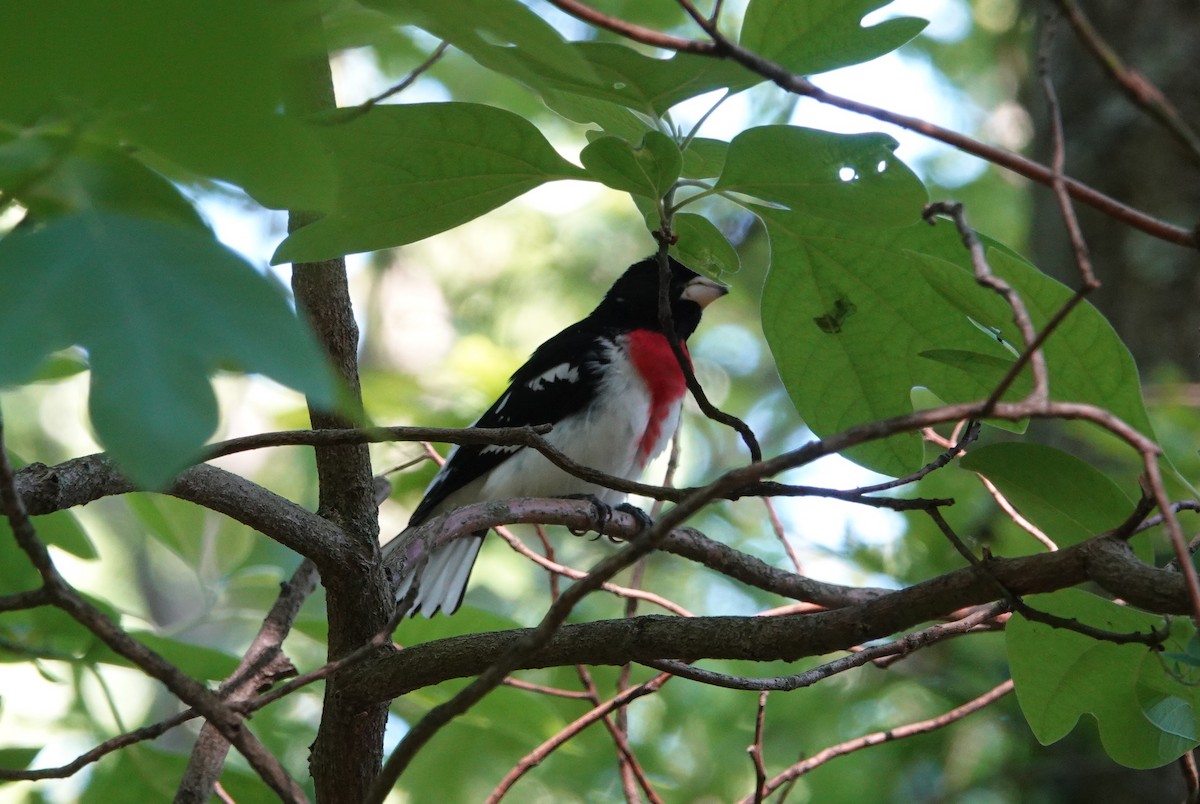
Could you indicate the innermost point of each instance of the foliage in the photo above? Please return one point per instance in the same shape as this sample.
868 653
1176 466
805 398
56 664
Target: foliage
115 138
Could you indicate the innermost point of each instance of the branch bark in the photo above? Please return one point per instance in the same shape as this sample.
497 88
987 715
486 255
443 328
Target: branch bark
1105 560
348 751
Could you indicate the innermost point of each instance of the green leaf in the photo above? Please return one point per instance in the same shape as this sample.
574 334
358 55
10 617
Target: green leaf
1060 675
612 118
17 758
702 247
410 171
195 660
848 320
1167 703
648 169
507 23
813 36
851 178
1086 358
704 158
158 307
623 76
1068 499
61 365
200 84
55 175
853 316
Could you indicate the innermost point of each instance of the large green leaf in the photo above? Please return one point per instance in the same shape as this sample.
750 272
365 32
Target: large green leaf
1060 675
200 83
857 317
411 171
813 36
1086 358
848 319
1070 500
853 178
158 307
56 175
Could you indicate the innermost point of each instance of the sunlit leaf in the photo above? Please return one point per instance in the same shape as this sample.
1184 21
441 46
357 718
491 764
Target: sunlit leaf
813 36
408 172
848 319
851 178
853 316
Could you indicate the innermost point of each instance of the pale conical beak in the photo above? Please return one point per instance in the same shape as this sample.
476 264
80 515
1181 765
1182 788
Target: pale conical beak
704 291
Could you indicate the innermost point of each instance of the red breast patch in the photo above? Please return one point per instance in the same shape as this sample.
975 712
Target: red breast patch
656 364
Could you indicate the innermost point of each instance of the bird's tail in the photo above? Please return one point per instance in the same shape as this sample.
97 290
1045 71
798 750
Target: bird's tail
443 578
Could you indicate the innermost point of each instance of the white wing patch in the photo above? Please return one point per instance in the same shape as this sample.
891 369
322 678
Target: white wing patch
563 371
494 448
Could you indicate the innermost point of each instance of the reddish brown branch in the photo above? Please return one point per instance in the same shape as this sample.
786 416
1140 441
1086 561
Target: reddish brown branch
898 733
1139 89
722 47
539 754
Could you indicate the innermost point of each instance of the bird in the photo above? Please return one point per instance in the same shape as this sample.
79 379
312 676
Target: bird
611 388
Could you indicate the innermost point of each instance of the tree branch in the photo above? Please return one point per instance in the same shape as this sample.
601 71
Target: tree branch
1108 561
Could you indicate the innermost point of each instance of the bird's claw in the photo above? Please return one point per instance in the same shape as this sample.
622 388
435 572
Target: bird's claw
603 513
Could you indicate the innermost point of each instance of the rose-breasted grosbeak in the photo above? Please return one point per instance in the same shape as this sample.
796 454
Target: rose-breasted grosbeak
612 389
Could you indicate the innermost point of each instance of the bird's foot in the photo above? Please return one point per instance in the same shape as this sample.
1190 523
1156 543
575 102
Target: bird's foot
604 511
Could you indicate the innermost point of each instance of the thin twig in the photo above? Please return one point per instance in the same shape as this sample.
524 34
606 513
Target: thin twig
187 689
556 568
1144 94
1058 166
536 756
1015 515
755 750
899 647
722 47
898 733
346 114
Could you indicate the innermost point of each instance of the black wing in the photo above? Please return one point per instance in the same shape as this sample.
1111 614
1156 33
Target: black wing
558 379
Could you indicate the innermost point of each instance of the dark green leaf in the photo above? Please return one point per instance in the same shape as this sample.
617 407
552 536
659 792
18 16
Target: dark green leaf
813 36
201 84
1066 498
851 178
18 758
649 169
158 307
408 172
56 175
1060 675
